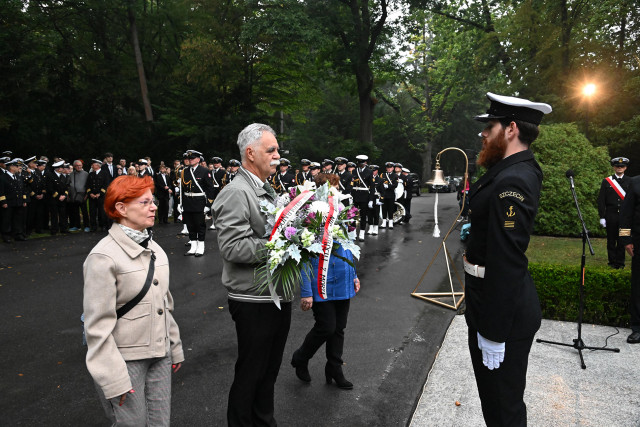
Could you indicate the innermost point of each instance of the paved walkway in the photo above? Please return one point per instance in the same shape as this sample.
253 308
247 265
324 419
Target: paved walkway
559 392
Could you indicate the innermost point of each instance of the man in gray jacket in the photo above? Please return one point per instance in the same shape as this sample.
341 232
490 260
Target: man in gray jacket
261 326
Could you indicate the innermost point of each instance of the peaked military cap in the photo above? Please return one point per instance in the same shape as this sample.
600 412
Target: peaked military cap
30 159
361 158
389 165
341 160
351 165
398 165
234 162
193 154
284 162
15 162
509 107
315 165
143 162
305 162
4 160
619 161
58 164
405 170
216 159
375 167
96 161
326 162
41 162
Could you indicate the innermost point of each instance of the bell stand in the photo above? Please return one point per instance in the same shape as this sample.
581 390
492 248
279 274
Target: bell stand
436 297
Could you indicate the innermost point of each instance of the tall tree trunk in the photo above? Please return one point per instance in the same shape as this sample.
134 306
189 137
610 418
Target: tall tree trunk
425 155
364 77
139 64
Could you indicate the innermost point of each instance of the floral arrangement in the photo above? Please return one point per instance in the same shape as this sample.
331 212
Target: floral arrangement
307 223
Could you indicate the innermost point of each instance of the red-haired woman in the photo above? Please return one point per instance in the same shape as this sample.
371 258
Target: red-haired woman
132 337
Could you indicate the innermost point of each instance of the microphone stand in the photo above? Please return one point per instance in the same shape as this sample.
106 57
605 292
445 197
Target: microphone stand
578 344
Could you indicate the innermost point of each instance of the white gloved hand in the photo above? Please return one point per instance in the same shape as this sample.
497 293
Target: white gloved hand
492 352
385 186
180 208
379 202
603 222
207 209
370 204
177 190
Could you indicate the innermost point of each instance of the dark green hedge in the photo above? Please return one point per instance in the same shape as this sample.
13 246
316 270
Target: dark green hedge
607 293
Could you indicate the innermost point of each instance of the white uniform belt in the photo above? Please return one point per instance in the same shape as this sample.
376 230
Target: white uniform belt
193 194
360 189
216 185
473 269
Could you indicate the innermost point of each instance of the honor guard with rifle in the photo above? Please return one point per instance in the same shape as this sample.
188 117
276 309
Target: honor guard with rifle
361 191
327 166
175 184
196 197
375 201
612 192
220 180
305 172
234 165
387 191
345 177
282 180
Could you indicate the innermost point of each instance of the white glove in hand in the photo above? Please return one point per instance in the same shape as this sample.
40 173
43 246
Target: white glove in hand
207 209
370 204
492 352
180 208
603 222
379 202
385 186
177 190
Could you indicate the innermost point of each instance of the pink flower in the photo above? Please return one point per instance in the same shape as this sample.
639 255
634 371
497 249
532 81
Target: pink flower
292 193
352 212
289 232
350 228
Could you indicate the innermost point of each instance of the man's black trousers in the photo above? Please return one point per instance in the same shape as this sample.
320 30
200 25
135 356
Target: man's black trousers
195 224
502 390
262 331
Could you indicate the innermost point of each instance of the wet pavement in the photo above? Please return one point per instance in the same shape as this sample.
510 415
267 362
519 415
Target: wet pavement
390 345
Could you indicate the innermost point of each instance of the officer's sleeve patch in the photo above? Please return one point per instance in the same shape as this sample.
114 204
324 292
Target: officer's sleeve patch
513 194
510 217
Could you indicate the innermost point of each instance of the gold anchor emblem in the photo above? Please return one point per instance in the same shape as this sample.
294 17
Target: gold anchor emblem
511 213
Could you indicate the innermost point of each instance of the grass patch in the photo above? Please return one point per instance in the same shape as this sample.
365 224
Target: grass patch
567 251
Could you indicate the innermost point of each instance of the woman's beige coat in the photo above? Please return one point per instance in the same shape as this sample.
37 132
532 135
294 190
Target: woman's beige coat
114 273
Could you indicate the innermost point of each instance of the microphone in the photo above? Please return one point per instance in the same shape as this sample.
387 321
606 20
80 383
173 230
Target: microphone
569 174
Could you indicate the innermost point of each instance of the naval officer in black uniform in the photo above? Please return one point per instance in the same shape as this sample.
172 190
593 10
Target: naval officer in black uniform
197 196
502 307
630 239
362 191
610 197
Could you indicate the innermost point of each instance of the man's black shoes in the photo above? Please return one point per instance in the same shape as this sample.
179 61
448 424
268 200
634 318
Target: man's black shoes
634 338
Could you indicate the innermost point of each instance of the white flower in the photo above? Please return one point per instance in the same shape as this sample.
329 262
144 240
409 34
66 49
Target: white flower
308 185
318 206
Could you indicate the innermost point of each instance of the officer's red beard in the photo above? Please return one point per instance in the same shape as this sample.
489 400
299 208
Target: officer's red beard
492 150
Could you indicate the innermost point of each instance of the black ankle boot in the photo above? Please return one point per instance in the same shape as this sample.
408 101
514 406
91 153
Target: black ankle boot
302 369
338 377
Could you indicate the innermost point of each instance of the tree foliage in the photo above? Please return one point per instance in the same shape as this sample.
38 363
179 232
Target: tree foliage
561 147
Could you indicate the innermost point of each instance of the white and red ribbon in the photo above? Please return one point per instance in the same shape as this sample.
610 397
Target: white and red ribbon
329 220
616 187
289 212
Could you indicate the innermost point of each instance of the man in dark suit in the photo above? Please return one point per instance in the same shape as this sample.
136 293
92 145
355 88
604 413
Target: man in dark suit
109 168
407 196
163 193
630 239
610 197
503 311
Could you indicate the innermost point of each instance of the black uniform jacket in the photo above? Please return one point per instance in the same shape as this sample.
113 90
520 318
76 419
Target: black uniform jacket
302 176
282 183
97 183
190 181
159 182
56 186
35 183
12 190
345 182
630 214
391 179
362 185
220 180
609 202
504 304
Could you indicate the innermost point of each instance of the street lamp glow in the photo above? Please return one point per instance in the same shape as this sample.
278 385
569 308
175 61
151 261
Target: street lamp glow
589 89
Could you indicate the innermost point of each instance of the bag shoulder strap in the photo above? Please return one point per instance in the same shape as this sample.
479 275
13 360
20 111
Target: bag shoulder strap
147 284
